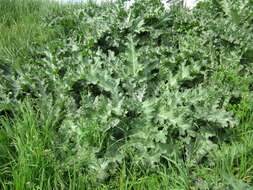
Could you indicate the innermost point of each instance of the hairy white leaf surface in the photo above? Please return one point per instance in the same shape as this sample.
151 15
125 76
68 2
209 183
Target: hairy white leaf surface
190 4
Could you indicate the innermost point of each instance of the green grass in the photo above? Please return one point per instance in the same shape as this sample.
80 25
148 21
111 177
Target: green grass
20 26
29 152
28 161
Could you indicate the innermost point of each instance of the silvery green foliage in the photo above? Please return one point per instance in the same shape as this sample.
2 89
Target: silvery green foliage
135 86
190 4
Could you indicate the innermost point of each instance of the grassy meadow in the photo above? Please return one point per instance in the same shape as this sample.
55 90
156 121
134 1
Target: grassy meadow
99 97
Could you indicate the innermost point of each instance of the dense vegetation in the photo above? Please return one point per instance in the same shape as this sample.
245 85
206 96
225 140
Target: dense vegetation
99 97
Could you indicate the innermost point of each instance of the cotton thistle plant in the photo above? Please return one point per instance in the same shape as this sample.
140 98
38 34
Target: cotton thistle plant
189 4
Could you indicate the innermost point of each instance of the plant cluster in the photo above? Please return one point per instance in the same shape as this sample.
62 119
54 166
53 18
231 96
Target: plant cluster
138 87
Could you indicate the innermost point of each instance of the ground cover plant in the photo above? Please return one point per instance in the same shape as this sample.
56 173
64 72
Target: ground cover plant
100 97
